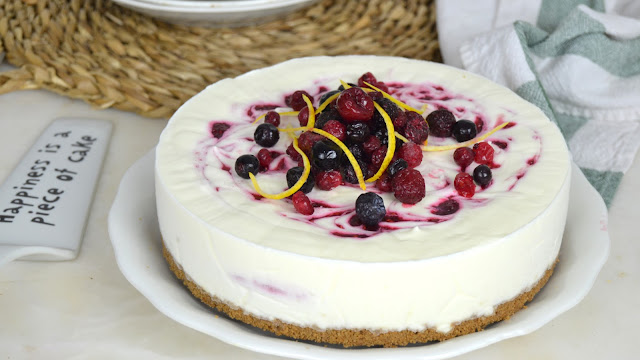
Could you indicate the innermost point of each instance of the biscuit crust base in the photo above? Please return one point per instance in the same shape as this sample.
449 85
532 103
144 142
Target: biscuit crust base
359 337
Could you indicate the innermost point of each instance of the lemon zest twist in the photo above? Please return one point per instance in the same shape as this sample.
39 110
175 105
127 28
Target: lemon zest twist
394 100
312 114
391 146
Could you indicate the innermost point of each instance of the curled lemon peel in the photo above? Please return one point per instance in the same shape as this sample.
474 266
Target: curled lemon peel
285 113
347 152
297 186
312 113
391 146
394 100
327 102
404 139
466 143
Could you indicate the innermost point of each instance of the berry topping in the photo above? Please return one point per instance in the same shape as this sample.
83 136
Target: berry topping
272 118
409 186
329 113
307 139
296 101
354 104
396 166
218 129
446 207
357 132
246 164
336 128
484 153
327 95
294 174
266 135
370 209
377 157
400 121
464 130
412 153
303 116
367 77
327 180
384 183
302 203
441 123
463 183
371 144
463 156
326 155
417 129
265 157
389 107
482 175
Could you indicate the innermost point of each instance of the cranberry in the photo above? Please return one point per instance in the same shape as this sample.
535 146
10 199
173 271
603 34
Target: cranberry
246 164
384 183
336 128
441 123
371 144
380 85
412 153
408 186
296 101
463 156
354 104
265 157
463 183
272 118
377 157
484 153
446 207
293 154
302 204
218 129
307 139
367 77
417 129
327 180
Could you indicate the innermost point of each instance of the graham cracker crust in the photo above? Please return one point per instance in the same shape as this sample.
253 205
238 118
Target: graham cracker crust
359 337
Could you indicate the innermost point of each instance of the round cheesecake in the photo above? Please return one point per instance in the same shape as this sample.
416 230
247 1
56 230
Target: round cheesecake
445 266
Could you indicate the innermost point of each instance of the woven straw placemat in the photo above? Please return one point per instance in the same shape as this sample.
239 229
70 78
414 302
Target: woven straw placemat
110 56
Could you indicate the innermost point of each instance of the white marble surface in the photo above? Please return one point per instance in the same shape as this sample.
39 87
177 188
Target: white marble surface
85 308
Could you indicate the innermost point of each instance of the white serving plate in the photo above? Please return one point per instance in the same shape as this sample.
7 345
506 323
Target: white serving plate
215 13
134 232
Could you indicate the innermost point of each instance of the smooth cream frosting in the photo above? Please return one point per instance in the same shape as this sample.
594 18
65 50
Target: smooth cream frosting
276 264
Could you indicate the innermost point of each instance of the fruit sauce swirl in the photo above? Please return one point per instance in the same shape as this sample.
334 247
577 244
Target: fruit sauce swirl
334 210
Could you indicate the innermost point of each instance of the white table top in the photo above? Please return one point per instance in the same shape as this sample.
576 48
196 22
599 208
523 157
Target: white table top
86 309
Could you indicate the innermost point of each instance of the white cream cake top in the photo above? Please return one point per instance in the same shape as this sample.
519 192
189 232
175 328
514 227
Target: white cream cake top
531 157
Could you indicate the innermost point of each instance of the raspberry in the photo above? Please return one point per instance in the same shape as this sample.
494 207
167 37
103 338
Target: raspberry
417 129
464 157
354 104
377 157
371 144
265 157
441 122
302 203
483 153
327 180
295 100
303 116
384 183
272 118
400 121
408 186
464 185
336 128
307 139
218 129
411 153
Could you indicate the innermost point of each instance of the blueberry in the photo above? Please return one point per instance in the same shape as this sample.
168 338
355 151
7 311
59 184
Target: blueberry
482 175
326 155
329 113
357 150
357 132
294 174
370 209
389 107
246 164
464 130
396 166
266 135
327 95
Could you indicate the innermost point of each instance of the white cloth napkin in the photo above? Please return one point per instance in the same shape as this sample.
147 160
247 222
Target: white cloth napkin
580 64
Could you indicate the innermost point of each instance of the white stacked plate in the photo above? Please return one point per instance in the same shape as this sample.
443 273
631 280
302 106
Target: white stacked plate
223 13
